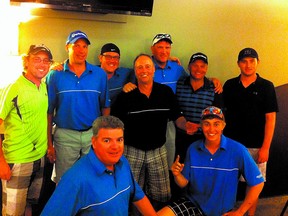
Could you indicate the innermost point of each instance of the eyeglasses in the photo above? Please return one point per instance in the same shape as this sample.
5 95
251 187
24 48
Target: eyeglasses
212 110
161 36
109 57
38 60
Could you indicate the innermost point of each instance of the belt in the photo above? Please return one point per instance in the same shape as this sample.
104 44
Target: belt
83 130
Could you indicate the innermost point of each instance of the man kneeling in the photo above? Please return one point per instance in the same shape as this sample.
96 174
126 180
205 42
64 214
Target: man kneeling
211 172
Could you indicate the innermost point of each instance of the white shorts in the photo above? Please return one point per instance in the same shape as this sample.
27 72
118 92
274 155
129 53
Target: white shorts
262 166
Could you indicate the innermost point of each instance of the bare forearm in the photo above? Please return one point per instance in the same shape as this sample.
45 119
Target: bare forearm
269 129
145 207
180 180
250 198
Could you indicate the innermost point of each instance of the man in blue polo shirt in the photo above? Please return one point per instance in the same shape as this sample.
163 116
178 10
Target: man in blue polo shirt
211 173
101 183
77 96
117 76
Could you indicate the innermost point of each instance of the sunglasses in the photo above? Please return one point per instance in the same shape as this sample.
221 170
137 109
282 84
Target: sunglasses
161 36
212 110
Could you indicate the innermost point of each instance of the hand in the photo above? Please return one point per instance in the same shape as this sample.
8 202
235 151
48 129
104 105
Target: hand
129 87
263 155
177 167
51 155
191 127
175 59
57 66
218 87
5 171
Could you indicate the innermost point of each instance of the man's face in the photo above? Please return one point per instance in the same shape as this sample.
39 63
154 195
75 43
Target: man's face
198 69
212 129
144 70
108 146
109 61
78 51
248 66
161 51
37 66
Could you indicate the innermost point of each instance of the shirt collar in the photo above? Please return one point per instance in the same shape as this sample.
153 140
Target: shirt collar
98 166
157 67
223 143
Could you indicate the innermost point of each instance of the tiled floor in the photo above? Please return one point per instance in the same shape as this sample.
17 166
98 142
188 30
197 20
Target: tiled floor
271 206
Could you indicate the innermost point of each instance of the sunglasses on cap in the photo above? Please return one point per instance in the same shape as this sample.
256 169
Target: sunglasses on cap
212 111
161 36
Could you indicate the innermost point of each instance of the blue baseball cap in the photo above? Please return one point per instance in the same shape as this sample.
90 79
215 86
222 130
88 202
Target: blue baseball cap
76 35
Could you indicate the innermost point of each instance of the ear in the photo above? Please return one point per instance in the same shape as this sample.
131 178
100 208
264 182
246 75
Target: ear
67 47
224 125
94 141
100 58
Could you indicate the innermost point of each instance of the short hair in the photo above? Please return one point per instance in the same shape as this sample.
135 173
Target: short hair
106 122
142 54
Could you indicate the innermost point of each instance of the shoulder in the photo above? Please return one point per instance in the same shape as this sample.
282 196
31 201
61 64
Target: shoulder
162 87
264 82
233 144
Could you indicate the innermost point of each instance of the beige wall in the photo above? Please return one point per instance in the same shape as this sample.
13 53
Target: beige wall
219 28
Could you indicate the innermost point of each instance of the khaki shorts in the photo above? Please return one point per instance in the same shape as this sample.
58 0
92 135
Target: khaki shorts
262 166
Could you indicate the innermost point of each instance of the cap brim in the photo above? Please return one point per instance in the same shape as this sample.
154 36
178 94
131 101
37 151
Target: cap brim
77 38
162 39
41 49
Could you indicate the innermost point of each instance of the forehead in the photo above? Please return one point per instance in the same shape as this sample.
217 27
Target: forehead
213 120
162 43
198 62
40 53
80 41
248 59
111 53
143 60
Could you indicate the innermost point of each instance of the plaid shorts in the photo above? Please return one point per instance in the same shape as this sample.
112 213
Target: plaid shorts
184 207
23 187
150 170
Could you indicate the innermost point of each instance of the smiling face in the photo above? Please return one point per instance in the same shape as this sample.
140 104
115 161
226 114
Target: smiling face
144 69
212 129
198 69
37 66
78 51
108 145
248 66
109 61
161 51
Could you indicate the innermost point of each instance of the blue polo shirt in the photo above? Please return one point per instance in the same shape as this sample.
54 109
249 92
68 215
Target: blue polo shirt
87 188
213 179
77 100
170 74
118 80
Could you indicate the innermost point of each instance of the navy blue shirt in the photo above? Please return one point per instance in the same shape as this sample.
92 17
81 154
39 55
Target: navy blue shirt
193 102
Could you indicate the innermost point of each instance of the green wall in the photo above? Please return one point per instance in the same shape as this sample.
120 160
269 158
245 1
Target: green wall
219 28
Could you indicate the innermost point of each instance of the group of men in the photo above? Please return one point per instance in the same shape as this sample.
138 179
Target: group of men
81 92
